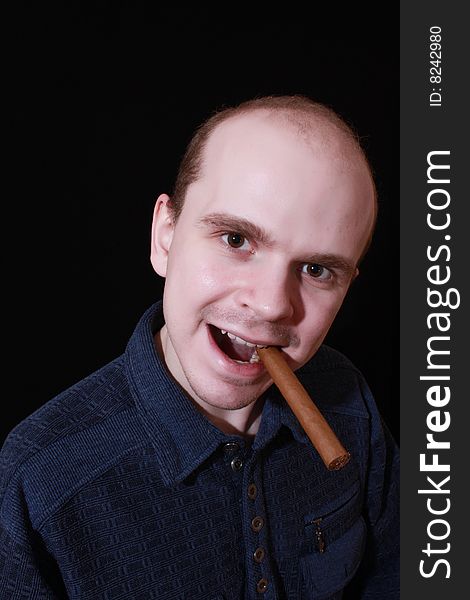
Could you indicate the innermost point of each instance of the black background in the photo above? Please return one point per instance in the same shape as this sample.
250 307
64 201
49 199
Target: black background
103 99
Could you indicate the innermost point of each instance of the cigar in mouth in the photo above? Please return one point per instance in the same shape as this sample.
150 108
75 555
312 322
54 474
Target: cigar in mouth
314 424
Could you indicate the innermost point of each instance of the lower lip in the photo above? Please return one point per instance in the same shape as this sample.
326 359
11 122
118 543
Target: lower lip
248 370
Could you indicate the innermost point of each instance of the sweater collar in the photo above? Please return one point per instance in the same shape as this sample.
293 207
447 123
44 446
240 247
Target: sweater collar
181 435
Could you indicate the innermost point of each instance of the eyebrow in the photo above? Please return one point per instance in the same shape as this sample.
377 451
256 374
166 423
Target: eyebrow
230 223
240 225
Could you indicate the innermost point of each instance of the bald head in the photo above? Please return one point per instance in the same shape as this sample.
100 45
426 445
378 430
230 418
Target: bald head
312 124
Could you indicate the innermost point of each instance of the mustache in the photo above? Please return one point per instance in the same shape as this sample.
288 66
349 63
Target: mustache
277 332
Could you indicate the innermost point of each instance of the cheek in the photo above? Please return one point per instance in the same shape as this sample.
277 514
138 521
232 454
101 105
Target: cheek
213 278
196 277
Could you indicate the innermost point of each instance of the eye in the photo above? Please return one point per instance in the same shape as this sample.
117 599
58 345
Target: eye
316 271
235 240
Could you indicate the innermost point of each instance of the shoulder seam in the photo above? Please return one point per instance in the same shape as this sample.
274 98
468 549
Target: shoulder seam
84 481
30 451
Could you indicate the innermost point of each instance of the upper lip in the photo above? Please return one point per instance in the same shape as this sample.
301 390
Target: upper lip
248 339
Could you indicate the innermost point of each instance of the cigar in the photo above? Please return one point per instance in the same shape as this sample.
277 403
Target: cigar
314 424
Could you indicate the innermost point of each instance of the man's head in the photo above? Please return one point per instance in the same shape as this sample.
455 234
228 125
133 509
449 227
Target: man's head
302 113
273 208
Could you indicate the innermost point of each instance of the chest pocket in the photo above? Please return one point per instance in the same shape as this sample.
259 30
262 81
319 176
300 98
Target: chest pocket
332 546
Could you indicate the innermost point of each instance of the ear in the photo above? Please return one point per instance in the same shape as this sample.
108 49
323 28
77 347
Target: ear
354 276
163 228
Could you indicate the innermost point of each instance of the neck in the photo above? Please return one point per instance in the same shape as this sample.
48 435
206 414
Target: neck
241 421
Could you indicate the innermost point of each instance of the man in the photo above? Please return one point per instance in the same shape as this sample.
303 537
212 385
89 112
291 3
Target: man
178 471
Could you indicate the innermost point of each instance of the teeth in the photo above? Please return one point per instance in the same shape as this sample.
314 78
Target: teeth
239 340
254 359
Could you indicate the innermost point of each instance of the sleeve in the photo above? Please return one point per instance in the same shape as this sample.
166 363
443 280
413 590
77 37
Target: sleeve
27 570
378 577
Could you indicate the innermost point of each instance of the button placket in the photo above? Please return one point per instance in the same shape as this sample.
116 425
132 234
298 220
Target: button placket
257 561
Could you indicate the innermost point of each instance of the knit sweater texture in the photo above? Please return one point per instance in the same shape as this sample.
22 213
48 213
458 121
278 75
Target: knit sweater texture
119 488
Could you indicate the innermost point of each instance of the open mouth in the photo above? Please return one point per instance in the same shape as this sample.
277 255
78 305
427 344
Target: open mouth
236 348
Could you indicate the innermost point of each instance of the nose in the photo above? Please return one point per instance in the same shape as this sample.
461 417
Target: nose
268 293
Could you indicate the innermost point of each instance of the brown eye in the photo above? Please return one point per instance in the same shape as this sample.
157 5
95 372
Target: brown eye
317 271
235 240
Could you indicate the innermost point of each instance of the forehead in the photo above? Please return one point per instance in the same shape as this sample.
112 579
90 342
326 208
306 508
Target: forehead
279 131
262 169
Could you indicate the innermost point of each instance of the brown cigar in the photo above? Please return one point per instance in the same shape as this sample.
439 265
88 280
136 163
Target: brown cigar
315 426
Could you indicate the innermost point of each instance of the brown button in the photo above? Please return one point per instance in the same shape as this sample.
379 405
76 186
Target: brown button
236 464
257 524
252 491
258 555
262 585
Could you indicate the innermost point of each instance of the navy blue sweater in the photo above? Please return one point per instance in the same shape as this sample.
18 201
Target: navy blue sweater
120 488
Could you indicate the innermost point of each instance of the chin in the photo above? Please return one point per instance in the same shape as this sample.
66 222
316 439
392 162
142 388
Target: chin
225 396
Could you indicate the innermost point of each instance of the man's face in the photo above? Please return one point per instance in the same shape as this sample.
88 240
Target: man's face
265 249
